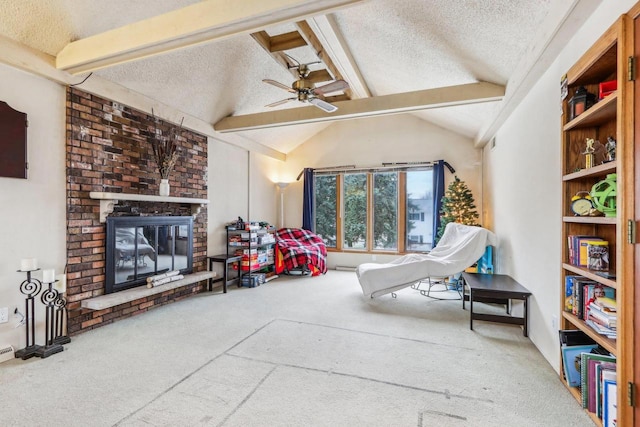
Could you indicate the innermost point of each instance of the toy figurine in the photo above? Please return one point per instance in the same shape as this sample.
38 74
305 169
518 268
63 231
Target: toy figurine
588 152
610 147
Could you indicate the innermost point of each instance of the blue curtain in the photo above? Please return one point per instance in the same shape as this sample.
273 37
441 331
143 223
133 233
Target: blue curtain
307 201
438 192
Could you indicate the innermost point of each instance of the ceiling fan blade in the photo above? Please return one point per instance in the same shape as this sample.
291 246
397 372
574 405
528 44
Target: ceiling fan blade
323 105
282 101
331 87
280 85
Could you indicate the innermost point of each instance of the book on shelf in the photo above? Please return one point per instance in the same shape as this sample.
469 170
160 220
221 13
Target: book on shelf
604 371
592 291
568 293
578 248
571 358
587 377
579 284
609 305
602 330
584 244
609 403
598 255
601 317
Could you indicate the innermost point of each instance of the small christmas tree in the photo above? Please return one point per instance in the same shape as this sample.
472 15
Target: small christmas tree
457 206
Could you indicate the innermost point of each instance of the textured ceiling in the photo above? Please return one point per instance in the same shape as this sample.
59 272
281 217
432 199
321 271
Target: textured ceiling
398 46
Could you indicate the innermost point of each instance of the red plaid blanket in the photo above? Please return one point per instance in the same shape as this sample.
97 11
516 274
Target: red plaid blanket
301 247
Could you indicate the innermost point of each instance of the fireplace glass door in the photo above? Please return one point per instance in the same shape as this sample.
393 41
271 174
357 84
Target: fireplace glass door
140 247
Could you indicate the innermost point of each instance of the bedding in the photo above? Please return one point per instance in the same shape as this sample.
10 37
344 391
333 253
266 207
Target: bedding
459 248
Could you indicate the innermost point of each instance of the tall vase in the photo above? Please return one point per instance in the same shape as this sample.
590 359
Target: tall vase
164 187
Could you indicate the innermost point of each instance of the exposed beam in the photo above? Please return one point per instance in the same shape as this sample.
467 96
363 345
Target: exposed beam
366 107
264 40
328 34
308 34
287 41
200 22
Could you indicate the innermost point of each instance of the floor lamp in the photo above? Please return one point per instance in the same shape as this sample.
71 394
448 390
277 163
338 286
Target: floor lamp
282 186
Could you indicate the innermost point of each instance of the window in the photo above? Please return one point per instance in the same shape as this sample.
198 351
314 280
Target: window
355 211
387 211
419 210
326 208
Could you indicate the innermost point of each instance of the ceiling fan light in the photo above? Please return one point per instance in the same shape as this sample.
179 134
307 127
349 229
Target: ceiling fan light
323 105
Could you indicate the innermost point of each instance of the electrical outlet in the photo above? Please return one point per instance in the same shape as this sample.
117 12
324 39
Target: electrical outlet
4 314
554 322
373 257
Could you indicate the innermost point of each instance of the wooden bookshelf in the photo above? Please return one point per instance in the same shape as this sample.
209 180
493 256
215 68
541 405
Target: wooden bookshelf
609 117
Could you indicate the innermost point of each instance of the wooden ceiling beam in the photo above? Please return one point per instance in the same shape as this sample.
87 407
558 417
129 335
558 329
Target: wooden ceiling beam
367 107
198 23
286 41
328 34
319 76
312 40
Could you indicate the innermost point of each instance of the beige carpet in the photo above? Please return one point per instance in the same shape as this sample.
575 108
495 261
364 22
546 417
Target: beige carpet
294 352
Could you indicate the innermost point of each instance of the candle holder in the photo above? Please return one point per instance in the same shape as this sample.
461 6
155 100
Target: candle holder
61 311
48 298
30 287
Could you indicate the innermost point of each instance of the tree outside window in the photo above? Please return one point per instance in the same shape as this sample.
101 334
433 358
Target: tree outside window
385 210
355 211
326 208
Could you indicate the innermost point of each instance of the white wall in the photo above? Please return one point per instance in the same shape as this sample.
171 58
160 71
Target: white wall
371 141
522 192
230 195
33 210
227 191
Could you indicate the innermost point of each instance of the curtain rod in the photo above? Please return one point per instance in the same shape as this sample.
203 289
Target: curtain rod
384 166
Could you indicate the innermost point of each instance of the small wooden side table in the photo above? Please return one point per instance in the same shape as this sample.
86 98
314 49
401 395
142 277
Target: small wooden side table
486 287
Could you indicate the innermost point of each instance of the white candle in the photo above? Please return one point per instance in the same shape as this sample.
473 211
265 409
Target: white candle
49 275
61 284
28 264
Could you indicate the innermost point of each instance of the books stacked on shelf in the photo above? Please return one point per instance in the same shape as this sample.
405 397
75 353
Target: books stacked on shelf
579 251
590 368
580 292
602 316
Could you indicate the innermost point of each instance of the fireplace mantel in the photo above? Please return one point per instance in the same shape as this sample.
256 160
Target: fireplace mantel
109 200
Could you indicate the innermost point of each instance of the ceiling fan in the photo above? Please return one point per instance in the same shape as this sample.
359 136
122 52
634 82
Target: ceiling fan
306 91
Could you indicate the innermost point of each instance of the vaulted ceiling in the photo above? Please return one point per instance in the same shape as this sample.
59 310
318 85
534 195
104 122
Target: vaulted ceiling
458 64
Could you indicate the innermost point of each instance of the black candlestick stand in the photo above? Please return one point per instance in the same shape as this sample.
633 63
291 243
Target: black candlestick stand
30 288
61 311
48 298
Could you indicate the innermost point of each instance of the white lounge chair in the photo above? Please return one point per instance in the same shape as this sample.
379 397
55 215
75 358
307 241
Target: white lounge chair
459 248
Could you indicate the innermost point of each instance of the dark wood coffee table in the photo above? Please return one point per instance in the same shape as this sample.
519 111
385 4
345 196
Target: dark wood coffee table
498 288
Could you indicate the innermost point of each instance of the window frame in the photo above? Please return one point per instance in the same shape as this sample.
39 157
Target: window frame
401 214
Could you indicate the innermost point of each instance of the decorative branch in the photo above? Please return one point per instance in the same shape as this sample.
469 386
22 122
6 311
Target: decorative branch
165 150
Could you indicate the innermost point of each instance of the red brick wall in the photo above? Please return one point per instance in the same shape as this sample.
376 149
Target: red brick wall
107 150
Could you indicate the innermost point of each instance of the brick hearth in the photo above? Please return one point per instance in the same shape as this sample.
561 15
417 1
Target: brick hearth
107 151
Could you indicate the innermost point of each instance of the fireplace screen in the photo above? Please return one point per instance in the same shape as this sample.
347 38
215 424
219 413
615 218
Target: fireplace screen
139 247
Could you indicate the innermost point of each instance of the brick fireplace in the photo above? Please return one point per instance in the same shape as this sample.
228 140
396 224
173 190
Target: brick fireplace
107 151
